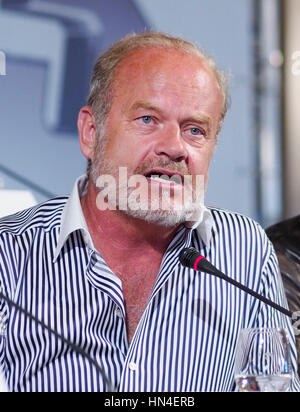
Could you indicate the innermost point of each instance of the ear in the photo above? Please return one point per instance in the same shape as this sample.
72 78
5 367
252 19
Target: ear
87 131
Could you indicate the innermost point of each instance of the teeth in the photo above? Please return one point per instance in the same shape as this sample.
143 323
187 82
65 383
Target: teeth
161 177
166 178
176 179
158 178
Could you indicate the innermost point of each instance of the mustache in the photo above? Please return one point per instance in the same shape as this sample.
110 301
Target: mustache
176 167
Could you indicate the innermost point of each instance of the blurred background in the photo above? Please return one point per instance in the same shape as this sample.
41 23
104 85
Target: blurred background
47 51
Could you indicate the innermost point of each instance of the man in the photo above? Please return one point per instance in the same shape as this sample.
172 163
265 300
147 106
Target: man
108 278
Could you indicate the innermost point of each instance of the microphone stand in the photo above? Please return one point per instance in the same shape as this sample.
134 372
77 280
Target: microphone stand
190 257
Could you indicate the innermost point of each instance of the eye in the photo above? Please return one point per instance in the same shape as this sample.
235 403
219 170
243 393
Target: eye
195 131
146 119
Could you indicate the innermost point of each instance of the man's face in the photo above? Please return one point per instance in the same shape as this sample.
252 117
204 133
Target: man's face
163 121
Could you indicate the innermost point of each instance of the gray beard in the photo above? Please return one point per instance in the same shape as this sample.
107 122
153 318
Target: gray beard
160 216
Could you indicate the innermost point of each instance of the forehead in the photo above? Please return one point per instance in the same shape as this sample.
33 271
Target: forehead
174 78
156 65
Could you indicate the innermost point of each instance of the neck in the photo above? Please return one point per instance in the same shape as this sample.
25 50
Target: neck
123 232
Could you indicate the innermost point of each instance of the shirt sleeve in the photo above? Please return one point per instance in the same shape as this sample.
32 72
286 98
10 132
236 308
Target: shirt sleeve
6 288
272 287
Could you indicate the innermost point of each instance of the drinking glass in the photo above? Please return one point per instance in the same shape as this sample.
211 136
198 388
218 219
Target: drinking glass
263 360
3 387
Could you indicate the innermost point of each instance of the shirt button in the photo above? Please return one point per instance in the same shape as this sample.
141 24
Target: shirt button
132 366
119 313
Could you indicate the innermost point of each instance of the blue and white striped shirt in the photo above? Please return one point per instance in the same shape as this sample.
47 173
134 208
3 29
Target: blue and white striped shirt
186 338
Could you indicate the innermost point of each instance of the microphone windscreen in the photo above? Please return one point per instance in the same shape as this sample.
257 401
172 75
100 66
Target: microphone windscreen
188 256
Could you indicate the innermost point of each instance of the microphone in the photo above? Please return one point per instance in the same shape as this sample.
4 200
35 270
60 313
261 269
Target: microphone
191 258
72 345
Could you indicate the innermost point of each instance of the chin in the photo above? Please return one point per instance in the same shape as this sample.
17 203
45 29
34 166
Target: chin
169 214
160 217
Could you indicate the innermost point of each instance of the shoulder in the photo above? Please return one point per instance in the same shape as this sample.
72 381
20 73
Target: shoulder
239 228
19 233
241 240
45 216
226 217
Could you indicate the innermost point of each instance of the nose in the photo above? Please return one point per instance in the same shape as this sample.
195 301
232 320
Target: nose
171 144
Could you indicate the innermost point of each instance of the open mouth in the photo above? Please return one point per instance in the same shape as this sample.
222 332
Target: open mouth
164 177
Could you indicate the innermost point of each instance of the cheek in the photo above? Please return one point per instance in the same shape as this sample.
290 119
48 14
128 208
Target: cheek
116 149
123 153
199 164
129 151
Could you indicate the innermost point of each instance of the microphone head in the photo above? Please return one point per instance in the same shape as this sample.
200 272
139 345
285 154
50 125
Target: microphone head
191 258
188 256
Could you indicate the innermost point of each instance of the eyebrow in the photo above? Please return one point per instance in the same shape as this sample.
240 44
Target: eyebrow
142 104
200 120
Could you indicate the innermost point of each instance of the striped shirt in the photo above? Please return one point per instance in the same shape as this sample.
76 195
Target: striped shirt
187 336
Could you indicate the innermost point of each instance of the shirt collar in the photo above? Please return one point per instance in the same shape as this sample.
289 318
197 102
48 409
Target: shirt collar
203 222
72 219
